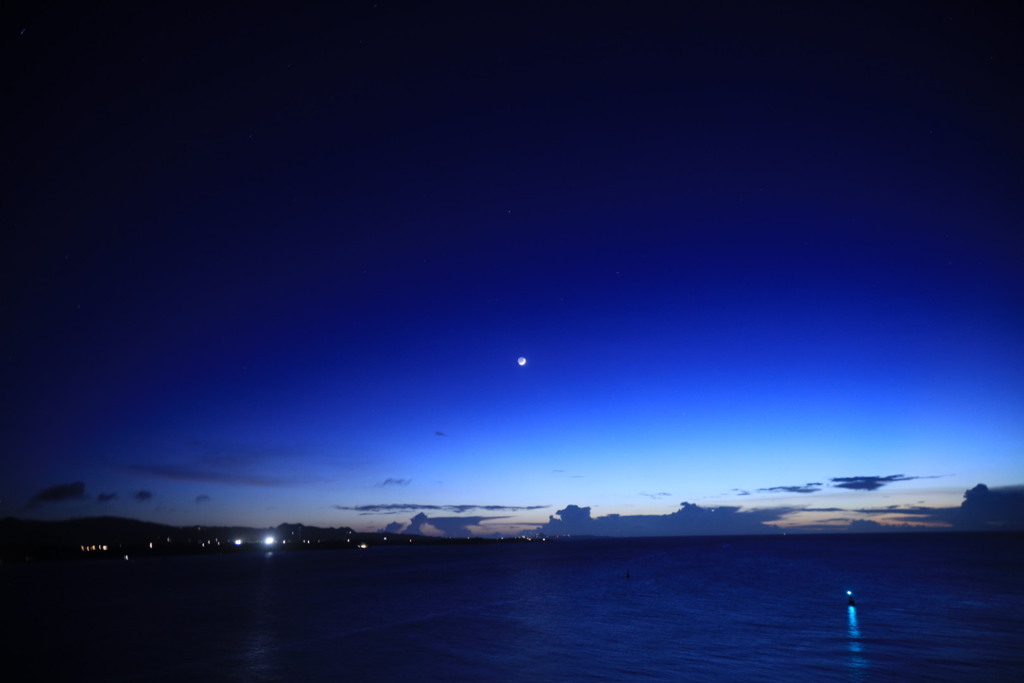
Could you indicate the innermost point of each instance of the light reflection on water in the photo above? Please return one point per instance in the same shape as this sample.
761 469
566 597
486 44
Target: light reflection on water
857 661
260 635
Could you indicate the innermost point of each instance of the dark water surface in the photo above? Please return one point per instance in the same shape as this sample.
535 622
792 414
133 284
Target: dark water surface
942 607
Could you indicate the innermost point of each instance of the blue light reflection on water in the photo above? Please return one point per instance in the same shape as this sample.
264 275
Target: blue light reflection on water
857 661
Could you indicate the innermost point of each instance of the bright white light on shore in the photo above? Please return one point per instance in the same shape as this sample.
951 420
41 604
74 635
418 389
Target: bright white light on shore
521 361
238 541
269 540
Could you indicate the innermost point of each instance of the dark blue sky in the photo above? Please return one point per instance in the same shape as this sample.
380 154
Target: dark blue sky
276 263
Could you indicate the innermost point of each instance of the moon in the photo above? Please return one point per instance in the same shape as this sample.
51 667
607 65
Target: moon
521 361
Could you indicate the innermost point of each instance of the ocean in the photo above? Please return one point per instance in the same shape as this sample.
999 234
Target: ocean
929 607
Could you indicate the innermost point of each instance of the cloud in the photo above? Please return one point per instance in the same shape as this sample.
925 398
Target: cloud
810 487
202 499
998 508
865 525
868 483
690 519
235 464
982 509
422 525
59 493
393 482
210 475
655 496
106 497
408 507
143 496
920 511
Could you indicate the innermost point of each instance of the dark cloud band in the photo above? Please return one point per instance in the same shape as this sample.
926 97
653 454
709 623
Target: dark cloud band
868 483
810 487
407 507
60 492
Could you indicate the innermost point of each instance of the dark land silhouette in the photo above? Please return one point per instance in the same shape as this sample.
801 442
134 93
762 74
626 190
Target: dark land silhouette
97 537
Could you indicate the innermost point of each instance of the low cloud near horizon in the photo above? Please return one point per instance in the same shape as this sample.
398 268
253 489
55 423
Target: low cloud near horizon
423 525
983 509
1001 507
689 520
409 507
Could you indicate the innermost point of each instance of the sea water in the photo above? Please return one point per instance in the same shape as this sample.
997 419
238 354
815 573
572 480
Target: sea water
929 607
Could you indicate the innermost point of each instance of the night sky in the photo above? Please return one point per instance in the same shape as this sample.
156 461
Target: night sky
270 263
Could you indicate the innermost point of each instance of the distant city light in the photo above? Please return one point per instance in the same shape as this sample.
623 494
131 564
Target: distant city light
269 540
238 541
